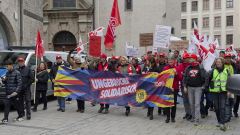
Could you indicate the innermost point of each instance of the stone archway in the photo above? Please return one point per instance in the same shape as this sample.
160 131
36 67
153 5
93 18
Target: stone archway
7 34
64 41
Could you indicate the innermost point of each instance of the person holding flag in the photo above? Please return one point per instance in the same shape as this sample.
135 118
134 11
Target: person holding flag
52 75
75 63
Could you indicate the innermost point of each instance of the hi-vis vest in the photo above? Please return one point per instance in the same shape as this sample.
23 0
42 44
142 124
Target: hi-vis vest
220 80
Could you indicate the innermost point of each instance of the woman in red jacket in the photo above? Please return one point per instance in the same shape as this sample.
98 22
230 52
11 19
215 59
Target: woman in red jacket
171 111
103 66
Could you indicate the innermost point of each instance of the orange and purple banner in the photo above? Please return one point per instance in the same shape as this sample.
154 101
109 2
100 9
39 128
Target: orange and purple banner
149 90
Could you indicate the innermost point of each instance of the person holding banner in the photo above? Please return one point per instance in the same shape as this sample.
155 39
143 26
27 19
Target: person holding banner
25 94
136 65
160 64
52 75
125 68
171 111
194 83
103 66
75 63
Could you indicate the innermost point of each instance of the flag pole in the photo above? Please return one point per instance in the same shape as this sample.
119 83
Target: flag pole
35 82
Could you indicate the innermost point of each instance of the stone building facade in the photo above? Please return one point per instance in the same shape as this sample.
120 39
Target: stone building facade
137 17
19 22
65 21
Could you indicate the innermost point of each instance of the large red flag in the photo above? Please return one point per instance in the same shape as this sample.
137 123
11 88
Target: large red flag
114 21
39 46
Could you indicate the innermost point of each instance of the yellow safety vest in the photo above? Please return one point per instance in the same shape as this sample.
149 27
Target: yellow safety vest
219 80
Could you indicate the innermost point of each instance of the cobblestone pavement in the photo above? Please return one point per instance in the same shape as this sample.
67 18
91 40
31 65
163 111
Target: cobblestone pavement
52 122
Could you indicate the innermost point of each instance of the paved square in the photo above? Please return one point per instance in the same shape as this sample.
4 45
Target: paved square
52 122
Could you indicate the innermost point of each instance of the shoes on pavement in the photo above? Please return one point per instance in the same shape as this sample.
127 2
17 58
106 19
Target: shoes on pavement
4 121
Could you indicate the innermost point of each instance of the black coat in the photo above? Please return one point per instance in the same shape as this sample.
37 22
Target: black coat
13 82
42 83
27 77
53 71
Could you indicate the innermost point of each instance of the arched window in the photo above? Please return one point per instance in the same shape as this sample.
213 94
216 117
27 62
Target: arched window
64 3
64 41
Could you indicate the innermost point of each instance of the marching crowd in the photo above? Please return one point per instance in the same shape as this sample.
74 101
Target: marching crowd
201 91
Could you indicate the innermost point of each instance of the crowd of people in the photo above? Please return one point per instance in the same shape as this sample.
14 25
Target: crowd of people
201 91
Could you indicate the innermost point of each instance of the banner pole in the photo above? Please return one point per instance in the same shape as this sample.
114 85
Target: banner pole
35 82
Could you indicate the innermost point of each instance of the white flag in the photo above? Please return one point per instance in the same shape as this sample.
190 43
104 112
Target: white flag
208 61
80 47
96 32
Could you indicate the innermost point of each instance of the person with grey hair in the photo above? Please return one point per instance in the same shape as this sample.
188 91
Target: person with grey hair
75 63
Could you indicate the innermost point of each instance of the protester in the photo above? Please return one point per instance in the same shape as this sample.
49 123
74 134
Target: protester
13 86
75 63
160 64
42 86
194 81
222 54
217 86
52 75
155 67
103 66
125 68
136 65
113 64
230 66
25 94
171 111
237 101
182 67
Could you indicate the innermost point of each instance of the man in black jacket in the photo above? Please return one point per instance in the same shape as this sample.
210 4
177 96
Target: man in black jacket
13 85
25 94
53 73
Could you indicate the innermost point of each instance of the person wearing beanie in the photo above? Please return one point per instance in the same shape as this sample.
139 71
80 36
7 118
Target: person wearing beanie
103 66
194 83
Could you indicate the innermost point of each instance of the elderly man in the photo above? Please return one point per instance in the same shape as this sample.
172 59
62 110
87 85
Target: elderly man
27 80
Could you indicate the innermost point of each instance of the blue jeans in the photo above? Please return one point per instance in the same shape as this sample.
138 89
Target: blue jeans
219 101
61 102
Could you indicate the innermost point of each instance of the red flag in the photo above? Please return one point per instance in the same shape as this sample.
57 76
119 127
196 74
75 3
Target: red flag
95 46
39 46
114 21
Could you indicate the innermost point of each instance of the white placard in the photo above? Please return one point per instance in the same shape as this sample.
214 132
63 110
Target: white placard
162 36
131 50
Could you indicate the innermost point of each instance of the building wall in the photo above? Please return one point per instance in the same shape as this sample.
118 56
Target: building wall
32 20
211 13
10 20
77 21
142 19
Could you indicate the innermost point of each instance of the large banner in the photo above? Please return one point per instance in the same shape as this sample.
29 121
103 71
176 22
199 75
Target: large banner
148 90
